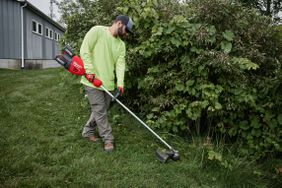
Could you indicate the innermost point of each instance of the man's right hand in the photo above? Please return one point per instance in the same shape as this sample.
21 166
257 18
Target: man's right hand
95 81
90 77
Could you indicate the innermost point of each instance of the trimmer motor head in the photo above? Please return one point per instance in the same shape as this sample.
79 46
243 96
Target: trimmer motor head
164 156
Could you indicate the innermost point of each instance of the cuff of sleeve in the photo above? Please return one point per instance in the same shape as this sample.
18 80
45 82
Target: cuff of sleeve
89 71
120 84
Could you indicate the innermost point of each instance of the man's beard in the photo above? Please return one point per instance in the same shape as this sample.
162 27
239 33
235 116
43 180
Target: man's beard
120 33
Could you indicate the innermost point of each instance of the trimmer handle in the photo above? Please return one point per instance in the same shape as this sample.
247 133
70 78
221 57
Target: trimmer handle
65 59
68 51
71 62
116 95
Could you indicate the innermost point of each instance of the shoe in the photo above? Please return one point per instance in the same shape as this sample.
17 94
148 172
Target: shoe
92 138
109 146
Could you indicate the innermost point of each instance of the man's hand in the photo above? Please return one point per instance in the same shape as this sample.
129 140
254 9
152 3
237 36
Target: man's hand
95 81
118 92
121 89
90 77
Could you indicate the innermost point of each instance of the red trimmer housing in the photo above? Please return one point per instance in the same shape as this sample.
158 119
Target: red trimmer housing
74 65
71 62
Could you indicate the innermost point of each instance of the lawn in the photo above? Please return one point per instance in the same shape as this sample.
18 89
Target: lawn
42 113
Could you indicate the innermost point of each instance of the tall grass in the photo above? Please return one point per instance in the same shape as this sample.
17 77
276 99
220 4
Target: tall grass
42 113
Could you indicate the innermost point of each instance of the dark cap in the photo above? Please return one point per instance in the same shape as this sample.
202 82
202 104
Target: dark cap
127 21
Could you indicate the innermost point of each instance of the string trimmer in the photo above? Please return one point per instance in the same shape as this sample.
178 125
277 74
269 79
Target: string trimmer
74 65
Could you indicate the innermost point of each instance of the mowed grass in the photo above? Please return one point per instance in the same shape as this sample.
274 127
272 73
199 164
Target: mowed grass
42 113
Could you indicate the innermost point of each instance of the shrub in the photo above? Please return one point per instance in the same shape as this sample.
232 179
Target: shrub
208 66
205 67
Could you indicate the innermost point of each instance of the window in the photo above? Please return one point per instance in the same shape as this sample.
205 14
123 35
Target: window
47 32
56 36
39 29
36 27
51 34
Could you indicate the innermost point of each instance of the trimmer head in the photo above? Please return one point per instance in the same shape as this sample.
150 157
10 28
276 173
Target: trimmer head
164 156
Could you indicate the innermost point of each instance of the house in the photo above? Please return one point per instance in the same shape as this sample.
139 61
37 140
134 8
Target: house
28 37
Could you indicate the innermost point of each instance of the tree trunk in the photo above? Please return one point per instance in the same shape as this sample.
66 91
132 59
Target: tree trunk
268 7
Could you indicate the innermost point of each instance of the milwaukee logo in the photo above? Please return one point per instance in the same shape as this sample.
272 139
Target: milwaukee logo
76 65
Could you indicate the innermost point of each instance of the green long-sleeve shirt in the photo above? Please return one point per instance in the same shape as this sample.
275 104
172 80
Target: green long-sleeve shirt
103 55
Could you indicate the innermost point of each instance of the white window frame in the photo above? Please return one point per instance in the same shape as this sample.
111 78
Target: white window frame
37 27
40 33
51 32
56 36
35 31
47 32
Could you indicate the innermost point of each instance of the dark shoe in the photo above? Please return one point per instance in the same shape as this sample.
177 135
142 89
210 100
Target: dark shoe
109 146
92 138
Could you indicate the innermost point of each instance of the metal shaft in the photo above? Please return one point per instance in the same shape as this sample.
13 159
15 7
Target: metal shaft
144 124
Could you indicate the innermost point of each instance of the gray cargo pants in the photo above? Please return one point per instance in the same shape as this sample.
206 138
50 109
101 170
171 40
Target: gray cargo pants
99 101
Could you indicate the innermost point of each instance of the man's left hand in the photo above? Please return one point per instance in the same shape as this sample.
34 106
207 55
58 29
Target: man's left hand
120 88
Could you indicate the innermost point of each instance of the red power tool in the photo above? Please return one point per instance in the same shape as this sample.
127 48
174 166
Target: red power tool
74 65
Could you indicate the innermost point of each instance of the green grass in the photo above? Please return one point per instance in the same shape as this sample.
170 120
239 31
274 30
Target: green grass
42 113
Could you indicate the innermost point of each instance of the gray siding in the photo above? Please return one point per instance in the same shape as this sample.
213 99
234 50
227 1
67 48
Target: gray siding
36 46
34 41
57 44
10 30
40 46
49 43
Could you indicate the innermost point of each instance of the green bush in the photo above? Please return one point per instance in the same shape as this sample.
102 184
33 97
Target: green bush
206 67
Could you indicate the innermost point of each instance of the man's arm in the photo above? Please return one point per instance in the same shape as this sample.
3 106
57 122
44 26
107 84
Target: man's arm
120 67
86 49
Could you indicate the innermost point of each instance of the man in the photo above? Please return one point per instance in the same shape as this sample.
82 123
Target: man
103 54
